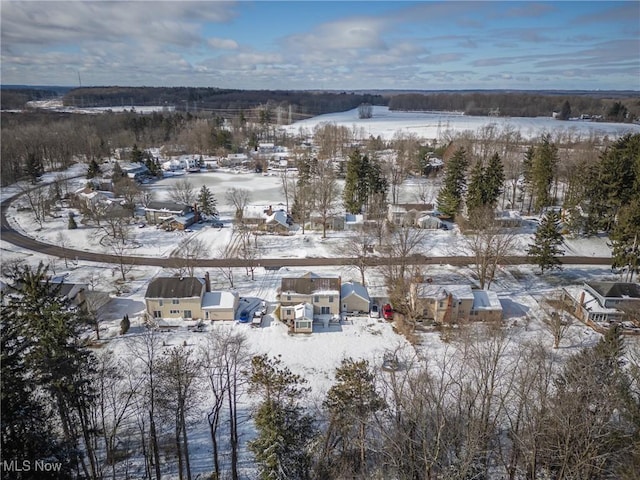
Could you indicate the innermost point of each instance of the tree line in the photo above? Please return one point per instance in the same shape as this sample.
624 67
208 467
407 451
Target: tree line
486 406
612 107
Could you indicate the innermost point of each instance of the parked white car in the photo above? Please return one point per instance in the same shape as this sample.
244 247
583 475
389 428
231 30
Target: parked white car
375 311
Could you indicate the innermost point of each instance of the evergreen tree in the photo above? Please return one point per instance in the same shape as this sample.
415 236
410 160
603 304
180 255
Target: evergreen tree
94 169
545 160
475 191
351 193
34 167
26 421
450 195
72 225
545 250
137 155
207 202
625 239
565 111
285 432
351 402
493 180
125 324
59 365
117 172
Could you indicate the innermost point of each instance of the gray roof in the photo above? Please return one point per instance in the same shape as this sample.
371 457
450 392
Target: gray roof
174 287
354 288
616 289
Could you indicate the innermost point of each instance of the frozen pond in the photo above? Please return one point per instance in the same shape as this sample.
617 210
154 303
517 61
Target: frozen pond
386 124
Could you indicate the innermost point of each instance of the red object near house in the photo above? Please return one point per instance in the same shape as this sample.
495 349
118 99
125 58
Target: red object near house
387 312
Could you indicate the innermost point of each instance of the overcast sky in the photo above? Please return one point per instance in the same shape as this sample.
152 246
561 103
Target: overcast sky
323 45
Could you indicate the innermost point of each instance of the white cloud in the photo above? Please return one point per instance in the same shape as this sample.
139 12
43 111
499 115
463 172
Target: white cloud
222 43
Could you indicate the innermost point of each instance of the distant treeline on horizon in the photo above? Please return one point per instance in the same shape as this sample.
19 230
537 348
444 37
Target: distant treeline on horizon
618 106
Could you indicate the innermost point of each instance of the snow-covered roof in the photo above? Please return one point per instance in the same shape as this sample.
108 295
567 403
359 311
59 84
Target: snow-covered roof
219 299
354 288
589 302
486 300
278 217
303 310
428 290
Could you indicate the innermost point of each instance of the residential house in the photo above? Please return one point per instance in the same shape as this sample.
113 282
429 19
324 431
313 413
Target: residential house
189 298
406 214
158 213
604 302
354 298
321 291
267 218
175 297
454 303
135 170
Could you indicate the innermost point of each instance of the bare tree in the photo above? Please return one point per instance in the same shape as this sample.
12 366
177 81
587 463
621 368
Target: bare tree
556 319
129 191
401 247
183 192
186 255
325 191
224 348
239 198
489 243
177 373
39 202
146 350
63 242
358 247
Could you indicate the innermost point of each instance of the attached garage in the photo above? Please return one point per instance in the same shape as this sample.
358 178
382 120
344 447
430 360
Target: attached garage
220 305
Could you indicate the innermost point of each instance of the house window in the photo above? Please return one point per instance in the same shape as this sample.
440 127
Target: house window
316 299
175 301
174 312
157 314
440 304
160 302
187 314
301 325
330 298
325 310
288 298
289 312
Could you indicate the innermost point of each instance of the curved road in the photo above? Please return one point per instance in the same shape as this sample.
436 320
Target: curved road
8 234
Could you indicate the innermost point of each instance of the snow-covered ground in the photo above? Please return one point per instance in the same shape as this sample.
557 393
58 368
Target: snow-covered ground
436 125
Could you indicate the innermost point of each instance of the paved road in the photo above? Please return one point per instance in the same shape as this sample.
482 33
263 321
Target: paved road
8 234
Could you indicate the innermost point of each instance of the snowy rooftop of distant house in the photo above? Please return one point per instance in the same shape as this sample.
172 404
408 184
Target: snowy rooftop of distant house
485 300
427 290
260 211
353 288
223 299
278 217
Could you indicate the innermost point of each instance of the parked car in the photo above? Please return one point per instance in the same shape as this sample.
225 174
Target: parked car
217 224
375 311
244 316
263 307
387 312
257 319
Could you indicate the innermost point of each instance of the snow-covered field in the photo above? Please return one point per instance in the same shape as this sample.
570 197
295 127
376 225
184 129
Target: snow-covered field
387 124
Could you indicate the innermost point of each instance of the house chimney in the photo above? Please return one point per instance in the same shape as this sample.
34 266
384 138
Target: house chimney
207 282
